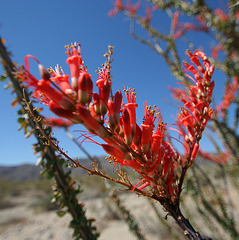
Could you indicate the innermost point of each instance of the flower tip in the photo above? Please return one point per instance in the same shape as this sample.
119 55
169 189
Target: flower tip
3 41
43 72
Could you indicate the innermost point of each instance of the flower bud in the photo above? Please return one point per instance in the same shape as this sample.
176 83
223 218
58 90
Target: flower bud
59 111
43 72
127 127
55 95
85 87
74 62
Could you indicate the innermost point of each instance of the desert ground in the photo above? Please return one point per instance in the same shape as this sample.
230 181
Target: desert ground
24 217
26 212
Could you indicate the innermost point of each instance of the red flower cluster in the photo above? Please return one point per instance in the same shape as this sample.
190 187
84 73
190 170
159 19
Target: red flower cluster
143 148
196 112
57 122
130 9
216 49
119 6
221 158
221 14
229 97
185 27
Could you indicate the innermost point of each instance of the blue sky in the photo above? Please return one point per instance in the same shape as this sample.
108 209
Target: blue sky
42 28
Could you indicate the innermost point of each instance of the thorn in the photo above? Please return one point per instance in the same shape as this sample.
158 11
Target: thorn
185 232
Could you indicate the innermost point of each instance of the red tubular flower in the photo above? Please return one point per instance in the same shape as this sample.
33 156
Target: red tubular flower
74 60
148 16
96 100
25 76
147 128
111 122
57 122
195 151
237 15
216 49
133 164
229 97
55 95
187 119
59 111
85 87
110 107
31 82
115 152
157 138
133 9
127 127
93 113
167 159
91 123
62 80
117 106
137 137
114 110
189 26
174 21
104 86
179 33
104 96
131 105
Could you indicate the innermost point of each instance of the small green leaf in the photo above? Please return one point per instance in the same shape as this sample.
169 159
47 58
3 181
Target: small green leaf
40 148
21 120
3 78
60 213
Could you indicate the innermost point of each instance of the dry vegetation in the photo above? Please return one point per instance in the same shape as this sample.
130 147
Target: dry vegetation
27 213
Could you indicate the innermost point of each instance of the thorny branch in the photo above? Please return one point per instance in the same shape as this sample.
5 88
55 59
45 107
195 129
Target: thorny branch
85 230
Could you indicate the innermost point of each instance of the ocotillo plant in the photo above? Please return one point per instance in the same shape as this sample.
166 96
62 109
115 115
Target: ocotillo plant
144 148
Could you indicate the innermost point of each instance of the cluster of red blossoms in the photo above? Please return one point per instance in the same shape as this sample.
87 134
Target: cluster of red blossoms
196 112
146 147
182 28
229 97
131 9
221 158
221 14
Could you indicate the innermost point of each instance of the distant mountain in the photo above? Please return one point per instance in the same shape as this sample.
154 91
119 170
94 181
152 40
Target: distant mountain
19 173
28 172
